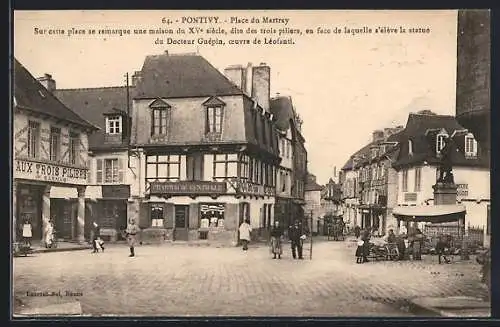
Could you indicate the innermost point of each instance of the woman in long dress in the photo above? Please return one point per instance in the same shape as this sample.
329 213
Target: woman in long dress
276 236
27 232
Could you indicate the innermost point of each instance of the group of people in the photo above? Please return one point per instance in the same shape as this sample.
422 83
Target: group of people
49 237
296 234
404 242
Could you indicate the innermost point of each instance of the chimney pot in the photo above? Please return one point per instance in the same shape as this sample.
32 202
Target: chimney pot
47 81
166 52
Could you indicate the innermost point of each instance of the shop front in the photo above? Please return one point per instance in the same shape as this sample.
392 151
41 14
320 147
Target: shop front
32 202
199 210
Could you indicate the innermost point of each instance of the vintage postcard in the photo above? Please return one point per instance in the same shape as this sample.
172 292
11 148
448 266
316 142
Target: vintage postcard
251 163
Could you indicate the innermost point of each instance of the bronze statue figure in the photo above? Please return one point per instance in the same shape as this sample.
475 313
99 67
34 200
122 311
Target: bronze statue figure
445 168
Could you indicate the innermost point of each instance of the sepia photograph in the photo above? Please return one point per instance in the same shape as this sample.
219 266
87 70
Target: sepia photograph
257 163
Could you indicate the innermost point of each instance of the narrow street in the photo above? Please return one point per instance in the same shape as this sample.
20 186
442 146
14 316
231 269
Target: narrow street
208 281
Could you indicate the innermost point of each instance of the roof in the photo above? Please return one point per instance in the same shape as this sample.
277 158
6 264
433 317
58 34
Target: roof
93 103
31 95
431 213
182 76
312 186
422 130
283 112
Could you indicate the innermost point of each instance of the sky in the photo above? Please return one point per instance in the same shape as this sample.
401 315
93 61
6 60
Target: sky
344 86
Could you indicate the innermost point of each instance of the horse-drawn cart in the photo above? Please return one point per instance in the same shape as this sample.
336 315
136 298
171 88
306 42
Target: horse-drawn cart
336 227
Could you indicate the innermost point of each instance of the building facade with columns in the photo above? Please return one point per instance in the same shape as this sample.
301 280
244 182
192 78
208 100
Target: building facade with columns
113 177
50 144
207 149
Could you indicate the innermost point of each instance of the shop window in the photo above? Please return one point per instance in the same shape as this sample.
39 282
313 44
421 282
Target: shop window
33 139
74 147
163 167
55 143
157 215
211 215
225 166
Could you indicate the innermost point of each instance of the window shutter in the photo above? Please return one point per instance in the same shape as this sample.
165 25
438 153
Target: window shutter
194 221
231 214
99 169
168 215
144 221
121 171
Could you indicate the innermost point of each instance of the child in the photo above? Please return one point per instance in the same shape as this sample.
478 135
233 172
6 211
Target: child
99 244
359 252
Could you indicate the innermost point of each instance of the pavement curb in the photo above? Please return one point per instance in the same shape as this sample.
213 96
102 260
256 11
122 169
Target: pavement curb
418 307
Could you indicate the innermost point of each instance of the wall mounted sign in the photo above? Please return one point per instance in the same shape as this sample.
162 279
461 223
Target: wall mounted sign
38 171
462 190
188 187
410 197
255 189
116 191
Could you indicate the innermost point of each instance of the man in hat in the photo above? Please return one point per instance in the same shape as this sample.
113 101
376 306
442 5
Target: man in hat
132 231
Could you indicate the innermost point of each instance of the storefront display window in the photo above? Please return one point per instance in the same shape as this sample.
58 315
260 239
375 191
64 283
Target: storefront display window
157 215
212 215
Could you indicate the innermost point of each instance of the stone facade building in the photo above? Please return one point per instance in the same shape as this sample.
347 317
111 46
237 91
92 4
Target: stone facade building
313 207
50 144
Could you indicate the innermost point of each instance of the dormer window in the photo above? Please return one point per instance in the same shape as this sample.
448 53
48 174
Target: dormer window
214 116
410 147
440 142
114 125
160 111
470 146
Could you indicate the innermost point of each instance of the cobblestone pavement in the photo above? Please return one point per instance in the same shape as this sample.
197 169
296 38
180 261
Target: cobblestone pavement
199 281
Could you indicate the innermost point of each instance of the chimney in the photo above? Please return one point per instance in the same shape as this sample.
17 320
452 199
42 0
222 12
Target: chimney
248 79
261 87
237 75
378 135
47 81
136 78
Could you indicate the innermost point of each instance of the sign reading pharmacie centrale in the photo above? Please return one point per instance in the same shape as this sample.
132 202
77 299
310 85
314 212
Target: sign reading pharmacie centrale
188 187
38 171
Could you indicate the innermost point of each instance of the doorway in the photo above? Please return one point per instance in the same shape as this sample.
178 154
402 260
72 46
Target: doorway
181 222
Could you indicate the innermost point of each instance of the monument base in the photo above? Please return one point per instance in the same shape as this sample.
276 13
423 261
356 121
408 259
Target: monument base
445 193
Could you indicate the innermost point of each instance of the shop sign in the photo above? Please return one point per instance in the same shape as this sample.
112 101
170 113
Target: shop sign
38 171
116 191
410 197
188 188
255 189
462 190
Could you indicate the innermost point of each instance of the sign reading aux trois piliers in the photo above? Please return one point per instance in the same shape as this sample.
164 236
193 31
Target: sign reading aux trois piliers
39 171
188 187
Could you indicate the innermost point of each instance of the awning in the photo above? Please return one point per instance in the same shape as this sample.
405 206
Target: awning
432 213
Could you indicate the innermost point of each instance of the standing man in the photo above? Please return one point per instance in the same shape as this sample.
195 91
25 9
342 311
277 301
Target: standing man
132 231
295 233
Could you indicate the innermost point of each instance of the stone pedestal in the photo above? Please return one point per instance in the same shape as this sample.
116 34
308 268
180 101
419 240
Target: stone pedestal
445 193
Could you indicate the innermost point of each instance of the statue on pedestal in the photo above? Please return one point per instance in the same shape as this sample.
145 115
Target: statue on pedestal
445 167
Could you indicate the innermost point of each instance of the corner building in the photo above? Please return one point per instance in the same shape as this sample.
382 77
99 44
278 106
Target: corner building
207 148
